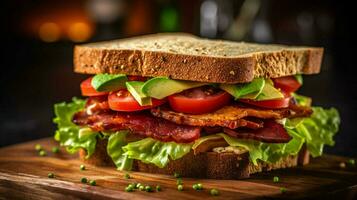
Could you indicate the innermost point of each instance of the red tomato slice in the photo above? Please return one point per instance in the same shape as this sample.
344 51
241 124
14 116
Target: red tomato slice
122 100
199 100
272 104
288 83
137 78
88 90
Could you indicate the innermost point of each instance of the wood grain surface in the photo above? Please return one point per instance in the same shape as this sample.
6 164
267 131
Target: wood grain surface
23 175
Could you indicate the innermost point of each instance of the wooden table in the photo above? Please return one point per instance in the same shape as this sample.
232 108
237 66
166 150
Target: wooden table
23 175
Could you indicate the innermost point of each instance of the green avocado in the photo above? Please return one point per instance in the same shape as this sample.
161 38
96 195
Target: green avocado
248 90
109 82
161 87
269 92
259 89
134 87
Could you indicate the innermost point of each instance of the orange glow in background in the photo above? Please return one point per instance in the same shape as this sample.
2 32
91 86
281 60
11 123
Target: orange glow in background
51 24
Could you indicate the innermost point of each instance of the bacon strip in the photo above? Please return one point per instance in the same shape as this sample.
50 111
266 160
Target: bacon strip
142 124
231 116
271 133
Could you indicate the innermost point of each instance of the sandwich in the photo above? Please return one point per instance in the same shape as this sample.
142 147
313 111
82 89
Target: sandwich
177 103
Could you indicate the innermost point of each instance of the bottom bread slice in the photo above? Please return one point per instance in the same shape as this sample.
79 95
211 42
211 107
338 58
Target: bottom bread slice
204 165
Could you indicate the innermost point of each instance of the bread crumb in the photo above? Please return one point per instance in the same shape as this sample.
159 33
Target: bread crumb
122 66
184 61
342 165
163 59
232 72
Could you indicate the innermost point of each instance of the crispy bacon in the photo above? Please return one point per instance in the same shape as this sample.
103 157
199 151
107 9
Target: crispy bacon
166 125
231 116
142 124
95 105
272 132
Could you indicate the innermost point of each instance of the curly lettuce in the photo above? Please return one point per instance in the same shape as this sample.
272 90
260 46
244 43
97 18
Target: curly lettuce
70 135
318 129
114 149
155 152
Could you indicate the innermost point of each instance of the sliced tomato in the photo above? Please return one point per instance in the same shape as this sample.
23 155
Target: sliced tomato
288 84
122 100
137 78
199 100
88 90
272 104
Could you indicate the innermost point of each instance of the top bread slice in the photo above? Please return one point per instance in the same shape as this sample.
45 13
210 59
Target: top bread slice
187 57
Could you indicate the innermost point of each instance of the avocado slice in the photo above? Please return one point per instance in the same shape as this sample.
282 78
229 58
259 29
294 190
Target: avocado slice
259 89
161 87
269 92
109 82
134 87
248 90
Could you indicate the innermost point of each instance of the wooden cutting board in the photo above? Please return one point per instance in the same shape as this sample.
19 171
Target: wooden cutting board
23 175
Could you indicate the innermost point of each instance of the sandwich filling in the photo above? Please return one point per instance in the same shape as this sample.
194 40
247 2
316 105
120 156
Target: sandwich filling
156 120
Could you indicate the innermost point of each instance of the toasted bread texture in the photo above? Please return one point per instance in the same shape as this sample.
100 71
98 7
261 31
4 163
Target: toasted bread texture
204 165
186 57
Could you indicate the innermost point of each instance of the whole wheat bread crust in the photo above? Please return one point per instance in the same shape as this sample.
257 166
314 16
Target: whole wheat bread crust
282 61
204 165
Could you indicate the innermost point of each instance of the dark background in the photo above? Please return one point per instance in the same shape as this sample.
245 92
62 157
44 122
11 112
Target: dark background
36 64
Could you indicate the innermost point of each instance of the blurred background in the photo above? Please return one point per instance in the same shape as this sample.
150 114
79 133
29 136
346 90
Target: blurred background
39 35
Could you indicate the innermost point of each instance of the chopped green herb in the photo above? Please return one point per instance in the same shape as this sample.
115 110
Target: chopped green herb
131 185
197 186
158 188
276 179
92 183
200 186
84 180
177 175
126 176
55 149
352 162
42 153
38 147
179 181
214 192
283 190
129 189
50 175
148 188
137 185
141 188
82 167
180 187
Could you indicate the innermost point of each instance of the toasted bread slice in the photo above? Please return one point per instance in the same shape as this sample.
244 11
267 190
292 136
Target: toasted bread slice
204 165
186 57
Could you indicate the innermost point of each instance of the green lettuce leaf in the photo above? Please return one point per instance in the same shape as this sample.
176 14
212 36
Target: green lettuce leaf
114 149
155 152
68 134
267 152
299 78
318 129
